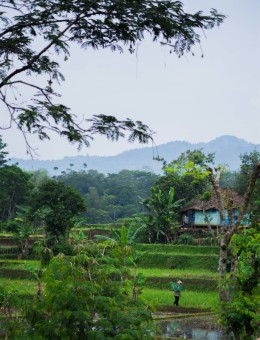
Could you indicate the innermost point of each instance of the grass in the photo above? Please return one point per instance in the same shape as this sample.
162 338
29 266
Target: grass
8 250
6 234
178 249
200 300
24 287
193 280
4 257
160 264
177 261
183 273
10 235
20 264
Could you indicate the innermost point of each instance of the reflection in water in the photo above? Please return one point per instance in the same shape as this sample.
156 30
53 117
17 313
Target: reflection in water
199 328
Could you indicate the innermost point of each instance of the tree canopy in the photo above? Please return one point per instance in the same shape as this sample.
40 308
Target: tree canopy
57 204
3 154
15 188
86 296
112 196
34 33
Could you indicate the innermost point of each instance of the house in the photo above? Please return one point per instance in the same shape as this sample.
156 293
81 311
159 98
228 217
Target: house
200 213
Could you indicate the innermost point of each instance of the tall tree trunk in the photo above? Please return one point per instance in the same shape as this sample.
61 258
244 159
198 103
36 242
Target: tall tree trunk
223 255
226 233
215 183
207 220
225 237
249 191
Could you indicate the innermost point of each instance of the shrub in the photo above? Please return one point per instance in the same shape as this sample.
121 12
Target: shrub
10 226
64 248
185 239
85 297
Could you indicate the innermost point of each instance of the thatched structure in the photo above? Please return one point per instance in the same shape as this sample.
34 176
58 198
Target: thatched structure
202 213
230 198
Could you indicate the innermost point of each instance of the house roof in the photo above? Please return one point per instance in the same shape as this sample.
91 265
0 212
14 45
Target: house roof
228 195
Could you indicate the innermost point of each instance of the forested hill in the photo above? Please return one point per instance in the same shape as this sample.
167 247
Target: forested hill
227 150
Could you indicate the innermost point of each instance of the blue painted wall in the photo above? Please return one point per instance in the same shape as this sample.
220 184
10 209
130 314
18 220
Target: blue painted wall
197 218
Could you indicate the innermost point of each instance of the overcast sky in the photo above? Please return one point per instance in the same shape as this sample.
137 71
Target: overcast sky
192 99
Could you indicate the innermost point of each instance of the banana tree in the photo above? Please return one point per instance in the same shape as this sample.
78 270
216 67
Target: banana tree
23 231
162 214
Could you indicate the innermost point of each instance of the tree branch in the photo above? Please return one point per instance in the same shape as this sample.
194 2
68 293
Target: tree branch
249 191
46 48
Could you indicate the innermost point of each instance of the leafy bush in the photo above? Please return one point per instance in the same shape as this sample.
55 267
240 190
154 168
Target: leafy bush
10 226
241 312
185 239
8 300
207 241
64 248
86 297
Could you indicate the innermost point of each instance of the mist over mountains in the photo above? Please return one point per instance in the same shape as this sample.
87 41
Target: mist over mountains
227 151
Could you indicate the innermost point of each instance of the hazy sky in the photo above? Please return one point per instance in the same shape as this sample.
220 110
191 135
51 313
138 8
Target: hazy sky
192 99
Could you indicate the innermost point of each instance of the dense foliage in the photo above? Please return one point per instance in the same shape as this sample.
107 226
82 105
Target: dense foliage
248 163
87 296
3 153
75 298
162 217
56 204
241 313
15 188
113 196
238 180
185 187
238 305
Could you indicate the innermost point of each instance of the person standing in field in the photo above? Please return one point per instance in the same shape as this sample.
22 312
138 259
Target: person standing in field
177 288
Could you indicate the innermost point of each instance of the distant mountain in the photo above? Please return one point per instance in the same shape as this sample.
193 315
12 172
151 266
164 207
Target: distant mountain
227 150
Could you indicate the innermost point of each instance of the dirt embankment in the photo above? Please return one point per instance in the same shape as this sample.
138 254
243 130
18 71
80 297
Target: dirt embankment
181 310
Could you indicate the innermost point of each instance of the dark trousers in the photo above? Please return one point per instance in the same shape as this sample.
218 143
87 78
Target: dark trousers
176 300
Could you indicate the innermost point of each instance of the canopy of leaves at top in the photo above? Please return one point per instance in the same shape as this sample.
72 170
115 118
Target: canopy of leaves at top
15 188
34 32
3 153
57 204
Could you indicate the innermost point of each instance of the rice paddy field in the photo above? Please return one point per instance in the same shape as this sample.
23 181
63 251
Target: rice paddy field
158 265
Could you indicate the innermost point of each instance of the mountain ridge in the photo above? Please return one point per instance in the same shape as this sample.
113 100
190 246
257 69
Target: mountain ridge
227 151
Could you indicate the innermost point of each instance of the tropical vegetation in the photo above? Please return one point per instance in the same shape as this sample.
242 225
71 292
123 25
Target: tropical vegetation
75 263
91 288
